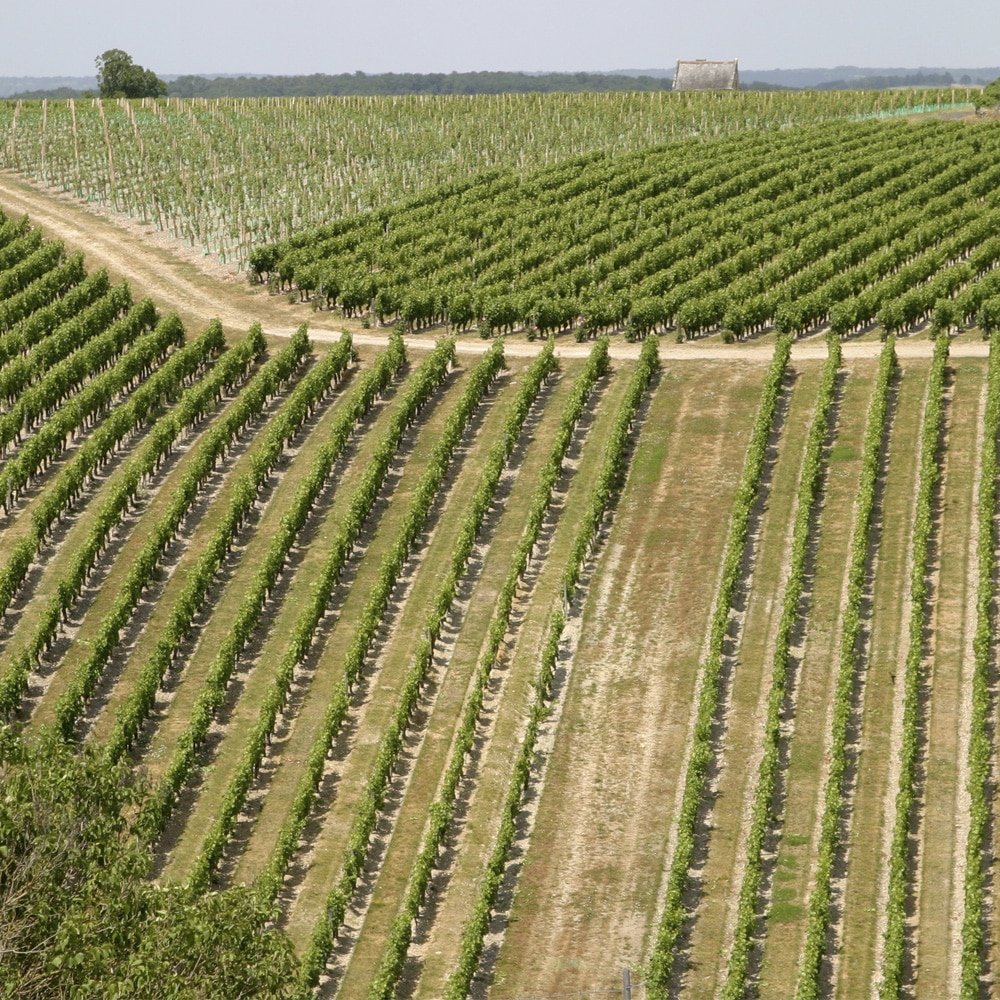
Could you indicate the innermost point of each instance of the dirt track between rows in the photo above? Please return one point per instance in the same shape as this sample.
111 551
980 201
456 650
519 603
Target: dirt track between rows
179 278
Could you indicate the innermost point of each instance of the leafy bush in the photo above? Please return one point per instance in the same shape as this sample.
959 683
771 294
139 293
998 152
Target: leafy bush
77 917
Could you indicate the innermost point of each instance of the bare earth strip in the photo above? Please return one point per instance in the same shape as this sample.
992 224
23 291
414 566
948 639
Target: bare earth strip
873 806
588 893
741 743
509 698
813 696
945 804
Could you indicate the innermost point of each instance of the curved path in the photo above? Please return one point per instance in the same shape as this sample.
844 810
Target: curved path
180 279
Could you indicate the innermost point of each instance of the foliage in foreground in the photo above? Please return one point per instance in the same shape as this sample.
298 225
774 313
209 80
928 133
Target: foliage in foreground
77 918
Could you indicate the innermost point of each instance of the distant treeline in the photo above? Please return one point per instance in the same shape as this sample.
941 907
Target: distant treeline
392 84
385 85
404 84
885 82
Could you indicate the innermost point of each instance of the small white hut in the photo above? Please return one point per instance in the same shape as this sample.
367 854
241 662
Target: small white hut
707 74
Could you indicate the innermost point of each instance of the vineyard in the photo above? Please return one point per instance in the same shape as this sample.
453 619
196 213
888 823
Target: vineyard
840 226
492 665
182 166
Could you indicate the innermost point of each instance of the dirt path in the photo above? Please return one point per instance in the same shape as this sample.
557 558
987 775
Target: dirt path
590 887
179 278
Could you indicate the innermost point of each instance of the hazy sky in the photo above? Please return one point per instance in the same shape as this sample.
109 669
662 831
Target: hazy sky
58 38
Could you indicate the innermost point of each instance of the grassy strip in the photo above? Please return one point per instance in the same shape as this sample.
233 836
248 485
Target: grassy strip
418 389
808 986
316 954
661 964
603 496
810 486
900 855
256 744
980 744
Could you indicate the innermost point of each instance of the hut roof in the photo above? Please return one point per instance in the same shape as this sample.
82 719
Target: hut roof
707 74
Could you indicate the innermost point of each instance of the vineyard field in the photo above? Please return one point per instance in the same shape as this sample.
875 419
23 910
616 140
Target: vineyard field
489 658
179 165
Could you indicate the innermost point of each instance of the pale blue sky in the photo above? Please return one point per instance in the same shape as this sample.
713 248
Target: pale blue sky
56 38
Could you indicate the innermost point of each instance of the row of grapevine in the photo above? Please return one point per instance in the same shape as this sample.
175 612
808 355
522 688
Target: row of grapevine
314 958
271 442
664 952
133 712
980 744
48 443
374 382
229 175
821 897
44 292
391 743
747 240
441 812
20 372
97 450
248 405
906 798
21 273
807 502
417 391
499 625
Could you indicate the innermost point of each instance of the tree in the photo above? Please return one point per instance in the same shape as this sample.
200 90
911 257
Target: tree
118 76
990 96
77 916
